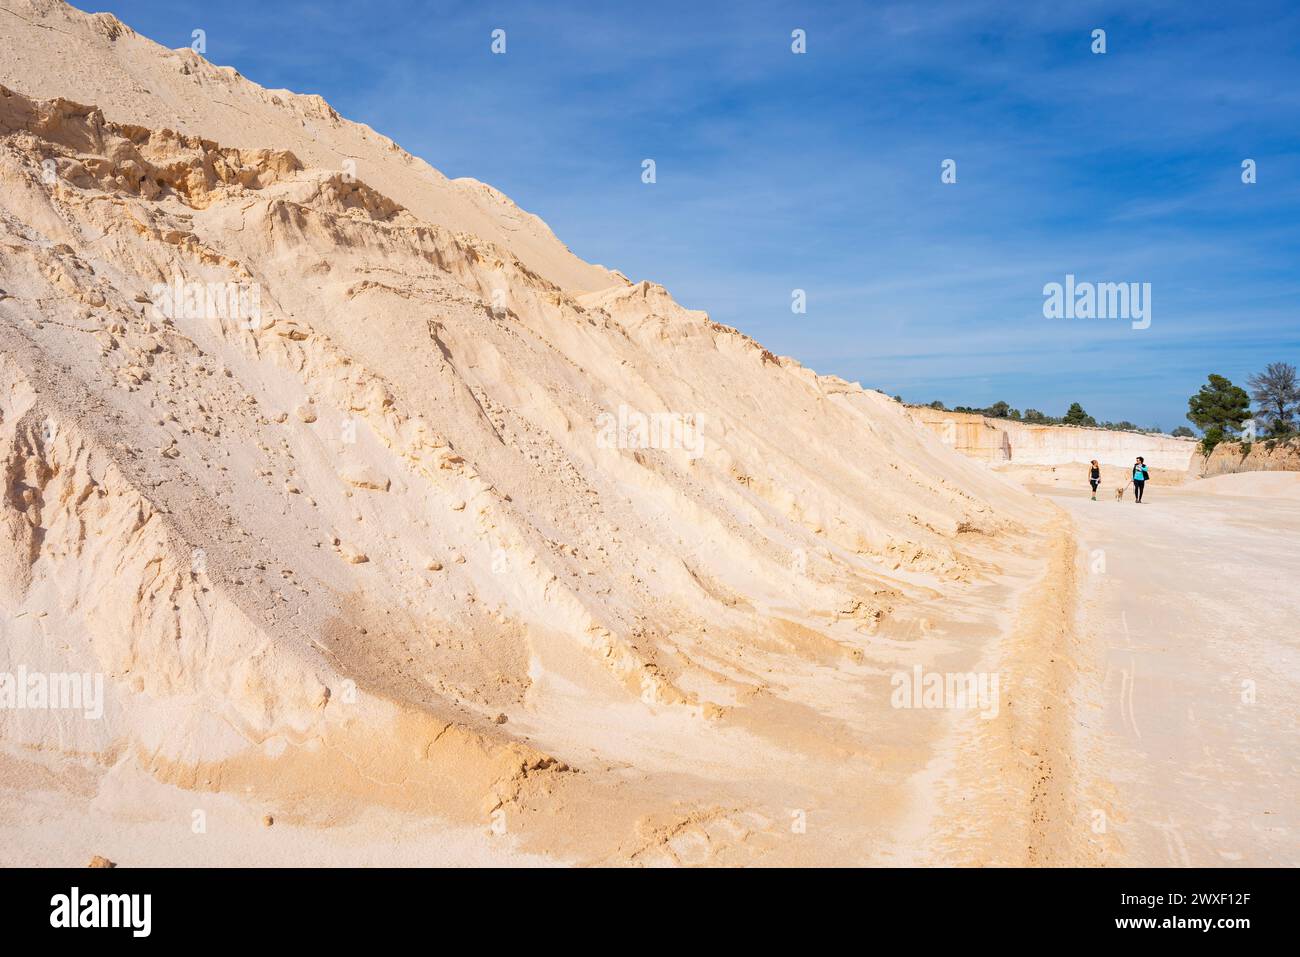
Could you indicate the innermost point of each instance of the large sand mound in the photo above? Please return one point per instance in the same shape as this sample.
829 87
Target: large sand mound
403 538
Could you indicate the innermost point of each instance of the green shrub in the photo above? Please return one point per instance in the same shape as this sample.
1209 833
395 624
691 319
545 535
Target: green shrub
1213 436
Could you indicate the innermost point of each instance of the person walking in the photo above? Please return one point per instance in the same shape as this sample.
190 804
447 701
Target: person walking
1094 478
1140 476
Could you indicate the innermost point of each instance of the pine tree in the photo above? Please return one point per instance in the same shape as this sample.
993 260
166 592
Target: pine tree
1076 416
1219 408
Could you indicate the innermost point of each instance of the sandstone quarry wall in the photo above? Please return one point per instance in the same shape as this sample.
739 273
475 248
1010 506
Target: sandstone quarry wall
1020 443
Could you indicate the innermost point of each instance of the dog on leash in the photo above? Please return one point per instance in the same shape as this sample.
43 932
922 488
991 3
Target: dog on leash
1119 492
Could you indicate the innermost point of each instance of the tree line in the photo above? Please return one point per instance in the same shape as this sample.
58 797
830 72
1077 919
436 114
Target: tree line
1074 415
1220 410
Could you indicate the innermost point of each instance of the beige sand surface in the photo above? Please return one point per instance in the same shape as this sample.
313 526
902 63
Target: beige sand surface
1190 673
1272 485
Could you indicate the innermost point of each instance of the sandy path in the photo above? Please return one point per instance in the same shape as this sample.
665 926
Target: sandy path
1187 736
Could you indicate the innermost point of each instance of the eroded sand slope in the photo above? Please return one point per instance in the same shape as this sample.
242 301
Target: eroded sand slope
374 555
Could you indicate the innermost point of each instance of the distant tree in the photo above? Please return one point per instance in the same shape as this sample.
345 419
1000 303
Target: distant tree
1277 396
936 404
898 398
1033 415
1076 416
998 410
1014 414
1183 432
1219 408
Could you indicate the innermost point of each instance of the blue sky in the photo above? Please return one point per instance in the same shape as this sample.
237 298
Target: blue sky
821 171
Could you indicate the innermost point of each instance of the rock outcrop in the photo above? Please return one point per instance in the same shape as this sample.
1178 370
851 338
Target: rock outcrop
1262 456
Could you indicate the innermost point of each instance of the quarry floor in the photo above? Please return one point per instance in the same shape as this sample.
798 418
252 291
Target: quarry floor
1185 697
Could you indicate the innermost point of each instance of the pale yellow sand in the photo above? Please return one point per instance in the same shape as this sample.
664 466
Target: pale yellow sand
1272 485
1188 685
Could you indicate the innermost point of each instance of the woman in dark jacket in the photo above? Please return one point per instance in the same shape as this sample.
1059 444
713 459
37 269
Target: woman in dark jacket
1140 476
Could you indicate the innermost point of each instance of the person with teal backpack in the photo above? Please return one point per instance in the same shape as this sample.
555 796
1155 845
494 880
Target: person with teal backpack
1140 476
